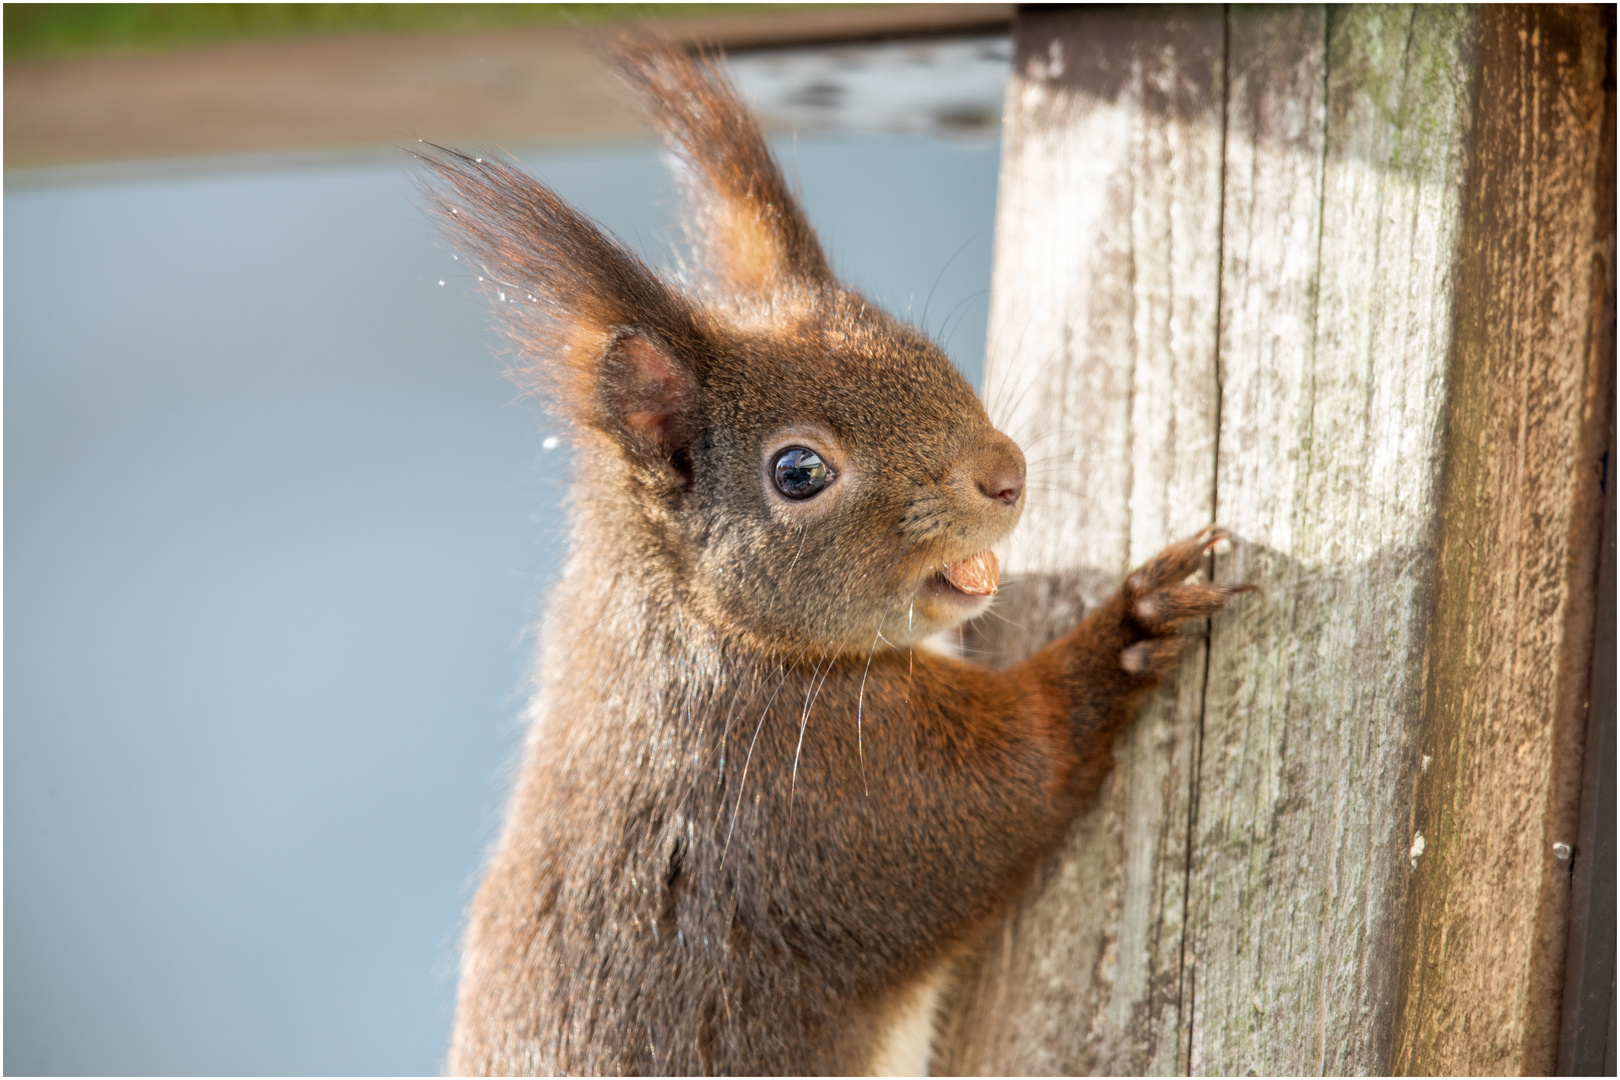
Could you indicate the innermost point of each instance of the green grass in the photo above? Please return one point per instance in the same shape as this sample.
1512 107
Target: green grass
39 31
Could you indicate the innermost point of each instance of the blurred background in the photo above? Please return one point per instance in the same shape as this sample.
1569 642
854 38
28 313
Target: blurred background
276 525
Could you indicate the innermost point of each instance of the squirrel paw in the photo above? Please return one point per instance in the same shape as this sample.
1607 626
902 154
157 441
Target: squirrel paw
1158 600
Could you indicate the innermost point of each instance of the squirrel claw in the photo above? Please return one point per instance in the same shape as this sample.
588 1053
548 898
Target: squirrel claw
1159 599
1175 563
1163 610
1157 656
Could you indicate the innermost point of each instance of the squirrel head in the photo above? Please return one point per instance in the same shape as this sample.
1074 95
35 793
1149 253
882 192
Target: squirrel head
757 445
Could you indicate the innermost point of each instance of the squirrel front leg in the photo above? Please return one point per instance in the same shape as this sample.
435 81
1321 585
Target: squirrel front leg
1033 740
1122 649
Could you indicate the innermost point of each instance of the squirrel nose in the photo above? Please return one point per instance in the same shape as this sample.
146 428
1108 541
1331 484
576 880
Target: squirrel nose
1001 473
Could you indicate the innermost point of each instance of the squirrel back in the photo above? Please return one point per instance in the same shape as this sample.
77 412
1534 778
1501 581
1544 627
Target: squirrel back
753 821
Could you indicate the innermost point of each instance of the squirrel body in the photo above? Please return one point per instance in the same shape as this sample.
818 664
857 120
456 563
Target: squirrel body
754 823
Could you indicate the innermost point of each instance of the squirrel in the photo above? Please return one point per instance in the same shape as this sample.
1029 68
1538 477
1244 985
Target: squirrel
754 822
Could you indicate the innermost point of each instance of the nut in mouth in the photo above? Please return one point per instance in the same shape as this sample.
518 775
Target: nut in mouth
976 575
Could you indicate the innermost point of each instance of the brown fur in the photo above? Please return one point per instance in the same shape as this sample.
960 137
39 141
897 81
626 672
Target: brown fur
750 814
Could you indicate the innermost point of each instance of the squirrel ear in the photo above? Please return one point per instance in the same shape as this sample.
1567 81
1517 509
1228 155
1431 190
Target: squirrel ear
592 323
755 238
648 393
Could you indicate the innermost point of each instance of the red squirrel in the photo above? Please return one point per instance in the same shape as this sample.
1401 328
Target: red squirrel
754 822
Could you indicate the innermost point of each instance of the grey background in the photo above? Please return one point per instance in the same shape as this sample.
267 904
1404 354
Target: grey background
275 529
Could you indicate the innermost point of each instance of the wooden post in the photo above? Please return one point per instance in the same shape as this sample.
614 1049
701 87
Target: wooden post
1509 649
1335 279
1101 364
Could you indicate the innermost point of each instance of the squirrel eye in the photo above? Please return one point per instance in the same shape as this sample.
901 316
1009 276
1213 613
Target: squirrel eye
800 473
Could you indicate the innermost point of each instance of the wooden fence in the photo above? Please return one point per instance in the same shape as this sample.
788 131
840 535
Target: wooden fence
1342 280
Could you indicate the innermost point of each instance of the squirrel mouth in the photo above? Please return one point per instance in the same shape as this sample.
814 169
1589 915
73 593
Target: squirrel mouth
976 575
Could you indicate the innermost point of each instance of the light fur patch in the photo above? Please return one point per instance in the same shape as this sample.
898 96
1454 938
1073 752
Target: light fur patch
908 1044
752 253
945 643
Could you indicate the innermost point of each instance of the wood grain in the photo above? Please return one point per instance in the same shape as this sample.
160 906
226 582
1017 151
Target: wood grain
1331 850
1586 1035
1344 160
1503 705
1101 364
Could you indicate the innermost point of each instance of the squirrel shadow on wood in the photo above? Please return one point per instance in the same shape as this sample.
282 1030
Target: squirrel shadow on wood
754 822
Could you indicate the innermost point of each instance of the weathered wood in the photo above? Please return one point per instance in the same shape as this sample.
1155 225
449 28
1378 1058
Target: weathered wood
1376 251
1507 663
1586 1022
1586 1037
1344 168
1102 365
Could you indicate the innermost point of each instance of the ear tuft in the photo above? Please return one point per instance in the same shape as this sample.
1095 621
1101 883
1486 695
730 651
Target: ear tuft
755 238
610 344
